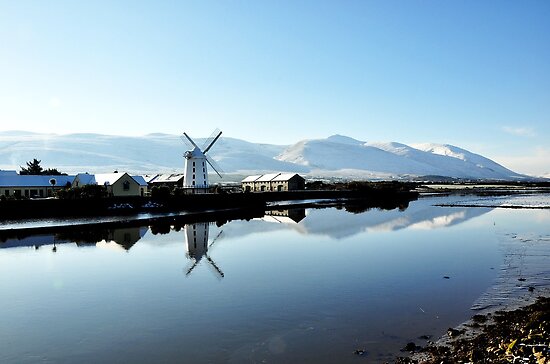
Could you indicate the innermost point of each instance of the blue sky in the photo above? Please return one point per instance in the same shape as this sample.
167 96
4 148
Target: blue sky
475 74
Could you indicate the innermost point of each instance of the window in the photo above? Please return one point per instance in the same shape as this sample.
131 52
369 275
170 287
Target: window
204 176
193 164
193 169
126 186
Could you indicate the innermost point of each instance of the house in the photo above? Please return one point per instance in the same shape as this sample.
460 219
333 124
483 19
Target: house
117 184
31 186
273 182
170 180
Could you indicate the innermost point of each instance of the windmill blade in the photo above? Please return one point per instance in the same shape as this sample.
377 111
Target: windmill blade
214 166
188 141
192 267
216 268
214 240
211 140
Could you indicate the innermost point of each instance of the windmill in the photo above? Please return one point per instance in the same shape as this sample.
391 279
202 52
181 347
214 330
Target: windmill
196 170
196 236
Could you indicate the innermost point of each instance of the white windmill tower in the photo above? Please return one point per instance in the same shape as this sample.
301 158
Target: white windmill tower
195 178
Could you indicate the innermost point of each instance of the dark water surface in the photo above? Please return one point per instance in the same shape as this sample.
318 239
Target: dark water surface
309 286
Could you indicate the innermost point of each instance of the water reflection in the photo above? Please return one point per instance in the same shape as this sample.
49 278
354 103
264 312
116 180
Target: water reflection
299 285
124 238
344 221
196 239
348 220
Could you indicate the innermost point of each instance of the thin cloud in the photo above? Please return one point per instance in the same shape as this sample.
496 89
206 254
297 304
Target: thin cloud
524 132
534 162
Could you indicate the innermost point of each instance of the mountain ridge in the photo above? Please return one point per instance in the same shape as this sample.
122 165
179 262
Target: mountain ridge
336 156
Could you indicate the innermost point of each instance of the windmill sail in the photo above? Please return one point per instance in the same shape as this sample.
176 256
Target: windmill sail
188 141
211 140
214 166
216 268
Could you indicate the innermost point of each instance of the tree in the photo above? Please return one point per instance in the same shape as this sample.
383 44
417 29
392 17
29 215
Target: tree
53 172
33 168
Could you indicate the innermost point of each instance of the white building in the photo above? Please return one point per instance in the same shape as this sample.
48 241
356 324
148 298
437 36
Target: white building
31 186
195 176
273 182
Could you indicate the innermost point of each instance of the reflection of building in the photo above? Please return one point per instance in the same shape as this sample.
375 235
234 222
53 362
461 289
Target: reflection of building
121 238
30 241
196 238
286 216
117 184
273 182
127 237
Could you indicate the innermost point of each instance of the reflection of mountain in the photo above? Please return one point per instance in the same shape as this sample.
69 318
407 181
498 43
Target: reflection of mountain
337 223
123 238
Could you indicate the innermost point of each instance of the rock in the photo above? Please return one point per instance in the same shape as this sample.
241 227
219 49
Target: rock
479 318
454 332
411 347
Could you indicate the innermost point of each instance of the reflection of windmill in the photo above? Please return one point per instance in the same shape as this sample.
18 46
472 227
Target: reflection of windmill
196 172
196 236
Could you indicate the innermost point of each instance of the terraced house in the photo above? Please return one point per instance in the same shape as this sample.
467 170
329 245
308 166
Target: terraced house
273 182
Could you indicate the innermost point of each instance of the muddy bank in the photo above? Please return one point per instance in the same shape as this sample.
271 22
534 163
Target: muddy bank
515 336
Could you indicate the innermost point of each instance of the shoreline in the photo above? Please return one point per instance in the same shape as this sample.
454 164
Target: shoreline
520 333
505 319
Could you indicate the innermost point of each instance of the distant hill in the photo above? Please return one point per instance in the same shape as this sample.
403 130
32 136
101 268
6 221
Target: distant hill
334 157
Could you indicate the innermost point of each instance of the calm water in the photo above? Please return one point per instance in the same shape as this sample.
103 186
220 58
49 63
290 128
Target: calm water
308 286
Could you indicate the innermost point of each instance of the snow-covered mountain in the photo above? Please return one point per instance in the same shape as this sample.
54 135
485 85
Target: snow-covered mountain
337 156
343 155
